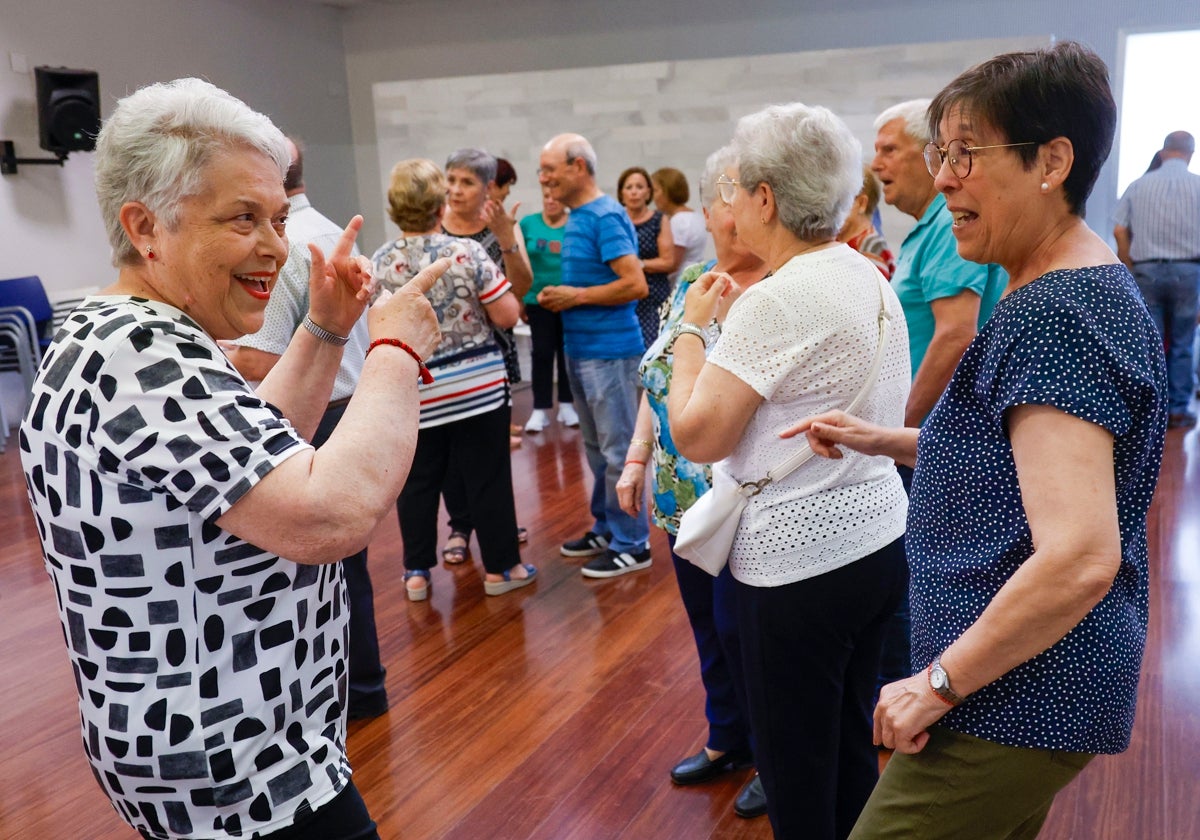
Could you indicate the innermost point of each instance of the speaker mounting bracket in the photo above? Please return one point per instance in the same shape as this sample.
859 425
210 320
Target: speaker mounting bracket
9 159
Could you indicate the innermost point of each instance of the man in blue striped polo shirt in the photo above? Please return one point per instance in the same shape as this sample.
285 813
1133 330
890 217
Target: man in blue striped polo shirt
1158 237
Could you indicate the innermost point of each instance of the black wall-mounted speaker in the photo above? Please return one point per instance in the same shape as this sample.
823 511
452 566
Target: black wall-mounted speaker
68 103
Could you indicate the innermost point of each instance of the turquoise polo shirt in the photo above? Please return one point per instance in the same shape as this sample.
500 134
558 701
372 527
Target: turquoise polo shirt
929 268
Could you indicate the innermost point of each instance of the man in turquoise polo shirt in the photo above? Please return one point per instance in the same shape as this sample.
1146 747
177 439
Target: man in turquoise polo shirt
602 279
945 298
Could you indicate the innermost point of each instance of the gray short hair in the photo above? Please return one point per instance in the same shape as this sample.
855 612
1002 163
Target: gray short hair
717 163
158 141
809 158
914 112
476 161
582 150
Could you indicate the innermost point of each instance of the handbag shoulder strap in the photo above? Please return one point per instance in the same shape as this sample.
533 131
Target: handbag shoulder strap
802 455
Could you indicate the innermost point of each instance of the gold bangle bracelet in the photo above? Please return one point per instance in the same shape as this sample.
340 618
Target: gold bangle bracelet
649 444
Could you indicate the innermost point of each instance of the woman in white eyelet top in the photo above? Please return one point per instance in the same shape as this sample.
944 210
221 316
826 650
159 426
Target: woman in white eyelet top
818 559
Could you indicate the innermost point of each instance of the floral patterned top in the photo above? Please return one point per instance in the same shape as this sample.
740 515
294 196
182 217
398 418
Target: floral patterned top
678 482
468 365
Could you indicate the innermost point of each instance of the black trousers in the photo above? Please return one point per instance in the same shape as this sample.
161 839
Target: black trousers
477 448
810 653
547 358
366 672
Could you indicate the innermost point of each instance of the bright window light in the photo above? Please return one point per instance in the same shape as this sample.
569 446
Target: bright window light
1157 97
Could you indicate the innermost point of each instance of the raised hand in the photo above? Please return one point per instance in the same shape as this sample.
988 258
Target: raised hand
501 222
704 297
341 284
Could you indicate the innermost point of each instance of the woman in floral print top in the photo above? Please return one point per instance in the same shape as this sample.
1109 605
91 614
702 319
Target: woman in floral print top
678 483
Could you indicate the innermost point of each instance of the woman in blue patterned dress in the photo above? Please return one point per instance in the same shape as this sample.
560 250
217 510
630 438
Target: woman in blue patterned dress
465 412
677 483
1034 473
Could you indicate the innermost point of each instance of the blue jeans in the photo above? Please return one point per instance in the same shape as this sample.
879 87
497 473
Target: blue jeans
606 402
1170 292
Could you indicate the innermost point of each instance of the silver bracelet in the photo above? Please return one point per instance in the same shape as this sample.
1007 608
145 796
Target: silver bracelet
323 334
685 328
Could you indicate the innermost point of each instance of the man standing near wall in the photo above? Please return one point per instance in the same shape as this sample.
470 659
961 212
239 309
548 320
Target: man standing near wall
601 280
254 355
1158 237
944 297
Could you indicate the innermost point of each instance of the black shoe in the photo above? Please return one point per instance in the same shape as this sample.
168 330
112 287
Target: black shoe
700 768
615 563
589 545
752 801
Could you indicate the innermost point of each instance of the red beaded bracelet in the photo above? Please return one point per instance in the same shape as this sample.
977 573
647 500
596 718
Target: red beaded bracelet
426 376
629 461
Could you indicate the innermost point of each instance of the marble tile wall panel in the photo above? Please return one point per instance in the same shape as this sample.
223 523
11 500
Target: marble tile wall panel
658 113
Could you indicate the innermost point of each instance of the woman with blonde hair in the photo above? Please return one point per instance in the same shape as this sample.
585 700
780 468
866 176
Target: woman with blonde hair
465 409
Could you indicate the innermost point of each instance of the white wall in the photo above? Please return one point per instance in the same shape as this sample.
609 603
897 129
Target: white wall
660 113
426 39
283 58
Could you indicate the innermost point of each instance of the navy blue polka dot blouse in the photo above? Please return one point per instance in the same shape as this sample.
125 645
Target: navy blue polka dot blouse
1082 341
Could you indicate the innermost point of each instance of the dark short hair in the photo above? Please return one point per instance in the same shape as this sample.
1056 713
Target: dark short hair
1058 91
505 174
633 170
674 184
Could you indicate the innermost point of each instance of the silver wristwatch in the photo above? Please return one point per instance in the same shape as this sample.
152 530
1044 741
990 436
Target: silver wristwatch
939 681
682 328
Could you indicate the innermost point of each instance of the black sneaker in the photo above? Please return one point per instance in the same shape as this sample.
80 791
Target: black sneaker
615 563
589 545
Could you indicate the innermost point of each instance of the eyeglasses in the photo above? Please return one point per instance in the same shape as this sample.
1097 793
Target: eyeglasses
727 188
958 153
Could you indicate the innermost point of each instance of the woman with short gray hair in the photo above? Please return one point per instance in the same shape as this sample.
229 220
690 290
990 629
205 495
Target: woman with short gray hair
188 525
817 559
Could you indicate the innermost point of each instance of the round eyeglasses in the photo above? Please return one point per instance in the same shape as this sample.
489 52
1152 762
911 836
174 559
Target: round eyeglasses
727 187
959 155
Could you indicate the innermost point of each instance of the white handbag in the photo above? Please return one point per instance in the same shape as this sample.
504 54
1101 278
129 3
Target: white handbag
707 528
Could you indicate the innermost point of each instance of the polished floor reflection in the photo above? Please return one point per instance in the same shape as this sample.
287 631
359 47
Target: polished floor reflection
556 711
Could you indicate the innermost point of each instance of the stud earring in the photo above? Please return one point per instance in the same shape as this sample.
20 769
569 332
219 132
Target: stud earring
1045 186
149 253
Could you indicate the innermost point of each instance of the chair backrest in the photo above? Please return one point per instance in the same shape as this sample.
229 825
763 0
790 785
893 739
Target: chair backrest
29 294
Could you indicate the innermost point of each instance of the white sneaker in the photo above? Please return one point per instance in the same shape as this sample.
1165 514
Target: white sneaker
567 415
537 421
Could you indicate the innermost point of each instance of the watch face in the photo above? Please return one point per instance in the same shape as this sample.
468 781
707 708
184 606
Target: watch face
937 678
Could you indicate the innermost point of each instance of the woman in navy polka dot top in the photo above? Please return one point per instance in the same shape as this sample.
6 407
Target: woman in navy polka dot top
1034 473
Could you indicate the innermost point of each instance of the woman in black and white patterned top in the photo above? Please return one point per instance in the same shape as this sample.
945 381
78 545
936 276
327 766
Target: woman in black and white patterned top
189 529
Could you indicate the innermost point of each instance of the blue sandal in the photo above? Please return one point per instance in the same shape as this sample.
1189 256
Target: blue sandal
499 587
421 593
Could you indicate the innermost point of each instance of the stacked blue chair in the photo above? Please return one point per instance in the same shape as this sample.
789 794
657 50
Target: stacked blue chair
26 328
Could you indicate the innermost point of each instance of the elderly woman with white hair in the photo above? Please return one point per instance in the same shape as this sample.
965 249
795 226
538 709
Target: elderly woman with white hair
817 558
191 532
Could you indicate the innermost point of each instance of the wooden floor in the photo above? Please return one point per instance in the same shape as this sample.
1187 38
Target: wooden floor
556 711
